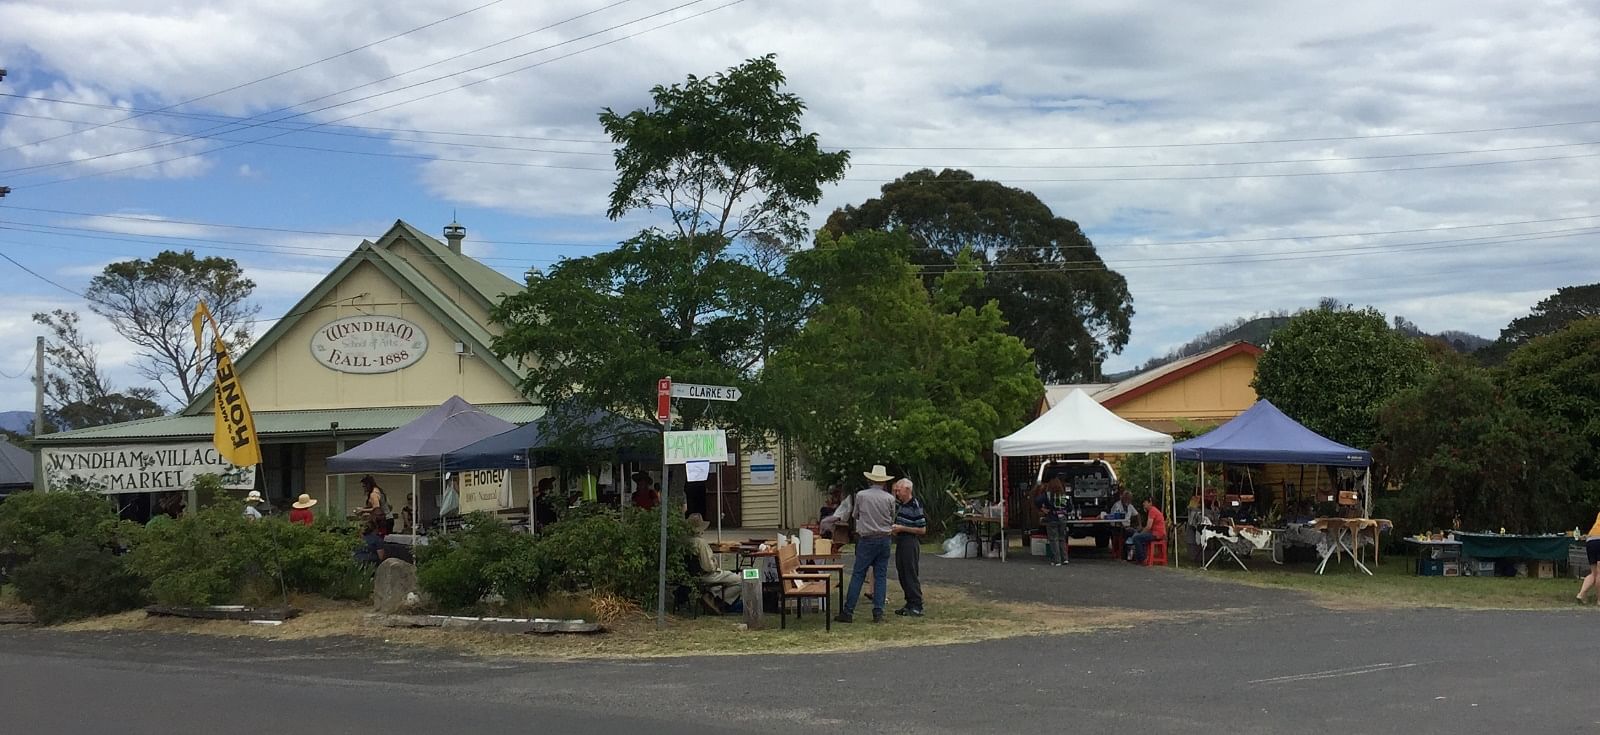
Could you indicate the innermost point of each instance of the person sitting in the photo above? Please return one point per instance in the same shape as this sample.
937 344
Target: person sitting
372 540
1155 529
1127 508
300 510
722 584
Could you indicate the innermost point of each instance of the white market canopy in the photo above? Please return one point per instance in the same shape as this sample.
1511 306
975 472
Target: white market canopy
1079 425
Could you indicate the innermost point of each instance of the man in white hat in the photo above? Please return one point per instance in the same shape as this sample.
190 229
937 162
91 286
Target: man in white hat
250 503
724 584
872 513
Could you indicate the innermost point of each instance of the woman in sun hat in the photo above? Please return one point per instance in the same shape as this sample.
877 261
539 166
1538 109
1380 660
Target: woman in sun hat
301 512
250 503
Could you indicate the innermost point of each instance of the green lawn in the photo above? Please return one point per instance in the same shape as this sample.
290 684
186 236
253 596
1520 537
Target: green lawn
1394 584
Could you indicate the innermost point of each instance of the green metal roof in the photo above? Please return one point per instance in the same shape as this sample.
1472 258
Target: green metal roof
353 422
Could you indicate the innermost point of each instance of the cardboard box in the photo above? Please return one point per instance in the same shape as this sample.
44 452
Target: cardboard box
1452 569
1542 569
822 546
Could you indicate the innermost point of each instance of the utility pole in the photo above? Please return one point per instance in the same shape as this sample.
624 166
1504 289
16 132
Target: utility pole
38 412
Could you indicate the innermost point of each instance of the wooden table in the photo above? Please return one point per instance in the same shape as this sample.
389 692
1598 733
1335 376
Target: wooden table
1345 535
1435 550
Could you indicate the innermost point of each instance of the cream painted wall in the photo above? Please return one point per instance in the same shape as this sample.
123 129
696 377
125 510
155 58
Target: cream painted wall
430 269
1219 391
286 377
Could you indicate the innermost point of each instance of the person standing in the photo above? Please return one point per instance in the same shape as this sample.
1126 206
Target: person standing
300 510
251 513
1054 505
1155 529
910 525
872 514
644 493
1591 546
377 504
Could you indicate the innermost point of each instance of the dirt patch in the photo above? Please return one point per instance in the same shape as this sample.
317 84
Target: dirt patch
954 616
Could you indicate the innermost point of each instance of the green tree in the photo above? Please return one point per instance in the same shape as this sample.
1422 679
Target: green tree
79 394
1552 314
886 370
1056 293
1459 445
1557 376
150 303
726 159
1331 369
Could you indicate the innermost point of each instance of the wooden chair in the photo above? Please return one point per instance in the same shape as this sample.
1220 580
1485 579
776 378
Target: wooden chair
815 563
796 584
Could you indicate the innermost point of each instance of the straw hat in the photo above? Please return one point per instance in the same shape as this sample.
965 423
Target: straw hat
697 523
254 497
304 501
878 473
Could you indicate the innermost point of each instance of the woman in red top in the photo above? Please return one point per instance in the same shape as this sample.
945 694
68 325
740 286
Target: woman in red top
301 512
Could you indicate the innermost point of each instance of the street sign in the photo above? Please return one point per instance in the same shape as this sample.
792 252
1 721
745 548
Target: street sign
705 392
663 399
681 447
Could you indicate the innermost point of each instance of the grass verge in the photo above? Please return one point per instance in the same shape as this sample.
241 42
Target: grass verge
954 616
1395 584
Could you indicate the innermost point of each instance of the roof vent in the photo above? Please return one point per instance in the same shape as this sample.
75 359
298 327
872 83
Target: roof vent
454 233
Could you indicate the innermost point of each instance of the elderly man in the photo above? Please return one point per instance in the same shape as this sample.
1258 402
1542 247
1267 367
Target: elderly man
725 585
872 512
910 524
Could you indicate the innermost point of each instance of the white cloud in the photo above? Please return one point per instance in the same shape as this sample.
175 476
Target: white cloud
967 74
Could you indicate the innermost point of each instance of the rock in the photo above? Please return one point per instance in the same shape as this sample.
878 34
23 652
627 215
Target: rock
394 585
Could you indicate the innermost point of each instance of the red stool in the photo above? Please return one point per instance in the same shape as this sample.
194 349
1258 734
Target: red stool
1156 553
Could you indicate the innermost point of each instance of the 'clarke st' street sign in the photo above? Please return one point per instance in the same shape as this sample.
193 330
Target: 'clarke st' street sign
705 392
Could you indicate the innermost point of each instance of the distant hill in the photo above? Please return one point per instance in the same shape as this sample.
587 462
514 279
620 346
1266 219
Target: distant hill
19 422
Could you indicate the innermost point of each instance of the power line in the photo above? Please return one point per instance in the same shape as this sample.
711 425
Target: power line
392 91
858 147
909 166
36 274
269 77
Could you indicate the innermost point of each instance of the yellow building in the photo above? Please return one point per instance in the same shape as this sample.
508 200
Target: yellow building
398 327
1201 390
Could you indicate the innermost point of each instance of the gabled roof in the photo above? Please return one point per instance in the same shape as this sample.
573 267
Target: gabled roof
1080 425
1111 395
274 425
16 466
480 281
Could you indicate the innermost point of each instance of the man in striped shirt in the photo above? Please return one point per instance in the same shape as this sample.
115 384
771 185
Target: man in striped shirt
910 524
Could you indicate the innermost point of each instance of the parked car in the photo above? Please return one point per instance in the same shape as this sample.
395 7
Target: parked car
1092 485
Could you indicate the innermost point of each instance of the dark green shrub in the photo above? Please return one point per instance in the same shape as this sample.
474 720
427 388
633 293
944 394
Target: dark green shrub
69 579
598 551
28 520
458 569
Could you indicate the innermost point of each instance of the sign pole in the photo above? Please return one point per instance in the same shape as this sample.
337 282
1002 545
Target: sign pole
720 470
663 402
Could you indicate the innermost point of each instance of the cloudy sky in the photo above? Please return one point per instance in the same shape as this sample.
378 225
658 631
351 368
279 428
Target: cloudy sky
1438 160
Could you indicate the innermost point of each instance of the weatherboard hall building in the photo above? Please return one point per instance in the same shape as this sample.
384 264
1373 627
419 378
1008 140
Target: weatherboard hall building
398 327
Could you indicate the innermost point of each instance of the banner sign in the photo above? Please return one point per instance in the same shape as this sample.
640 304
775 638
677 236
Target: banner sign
485 490
368 344
140 468
235 432
691 446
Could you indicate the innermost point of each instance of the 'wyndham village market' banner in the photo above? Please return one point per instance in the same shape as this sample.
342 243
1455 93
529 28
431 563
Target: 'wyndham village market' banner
140 468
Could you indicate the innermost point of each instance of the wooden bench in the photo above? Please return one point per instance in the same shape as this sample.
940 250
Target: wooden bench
795 583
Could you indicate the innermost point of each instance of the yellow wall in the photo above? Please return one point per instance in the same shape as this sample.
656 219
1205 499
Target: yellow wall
1216 393
435 273
286 377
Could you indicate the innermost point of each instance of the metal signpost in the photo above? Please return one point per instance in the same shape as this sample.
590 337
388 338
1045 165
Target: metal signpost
678 447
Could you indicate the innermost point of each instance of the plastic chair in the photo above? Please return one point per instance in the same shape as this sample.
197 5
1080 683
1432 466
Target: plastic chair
1156 553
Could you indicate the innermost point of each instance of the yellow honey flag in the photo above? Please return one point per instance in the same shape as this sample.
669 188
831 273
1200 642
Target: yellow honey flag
235 432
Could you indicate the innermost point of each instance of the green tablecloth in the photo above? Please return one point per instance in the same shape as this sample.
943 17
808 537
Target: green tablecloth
1511 546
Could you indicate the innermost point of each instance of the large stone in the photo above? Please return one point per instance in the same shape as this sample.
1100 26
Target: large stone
394 582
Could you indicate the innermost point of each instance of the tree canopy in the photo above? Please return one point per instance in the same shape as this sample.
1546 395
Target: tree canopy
1552 314
1460 445
723 155
1557 377
150 302
887 371
79 395
1056 293
1332 368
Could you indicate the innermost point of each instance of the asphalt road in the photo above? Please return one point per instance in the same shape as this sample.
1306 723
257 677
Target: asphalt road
1272 669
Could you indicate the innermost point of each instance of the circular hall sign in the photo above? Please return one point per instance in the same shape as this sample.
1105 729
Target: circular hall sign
368 344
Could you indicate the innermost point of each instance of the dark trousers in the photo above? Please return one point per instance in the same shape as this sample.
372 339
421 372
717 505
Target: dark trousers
907 555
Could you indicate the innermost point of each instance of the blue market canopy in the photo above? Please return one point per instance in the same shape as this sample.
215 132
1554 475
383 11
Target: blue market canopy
1264 435
16 467
567 428
419 445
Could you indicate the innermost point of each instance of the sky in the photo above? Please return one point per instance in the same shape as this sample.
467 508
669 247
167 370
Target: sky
1435 160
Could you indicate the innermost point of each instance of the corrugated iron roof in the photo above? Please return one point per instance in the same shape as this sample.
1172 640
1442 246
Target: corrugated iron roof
279 424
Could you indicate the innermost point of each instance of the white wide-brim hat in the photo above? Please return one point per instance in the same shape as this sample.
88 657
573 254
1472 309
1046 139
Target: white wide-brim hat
304 501
254 497
878 473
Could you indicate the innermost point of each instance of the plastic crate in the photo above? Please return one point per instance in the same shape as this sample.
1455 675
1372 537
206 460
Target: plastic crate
1578 561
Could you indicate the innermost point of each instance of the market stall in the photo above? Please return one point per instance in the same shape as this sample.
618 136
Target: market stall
1077 424
418 447
1264 435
